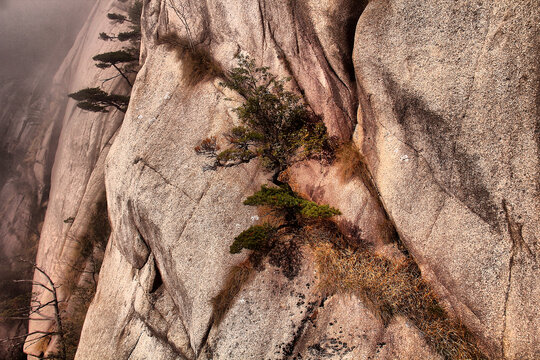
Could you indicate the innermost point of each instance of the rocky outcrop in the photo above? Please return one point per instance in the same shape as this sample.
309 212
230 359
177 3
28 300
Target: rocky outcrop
31 105
77 178
449 125
173 223
446 172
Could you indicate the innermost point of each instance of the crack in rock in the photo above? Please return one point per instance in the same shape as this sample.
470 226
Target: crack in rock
167 181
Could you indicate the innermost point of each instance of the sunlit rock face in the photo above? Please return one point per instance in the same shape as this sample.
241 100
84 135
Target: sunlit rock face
450 127
173 223
440 99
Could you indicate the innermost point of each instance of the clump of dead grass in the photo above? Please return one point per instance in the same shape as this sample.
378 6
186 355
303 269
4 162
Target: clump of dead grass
351 164
237 277
392 288
197 62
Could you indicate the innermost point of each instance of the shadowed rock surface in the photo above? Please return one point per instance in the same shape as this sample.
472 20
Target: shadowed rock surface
33 45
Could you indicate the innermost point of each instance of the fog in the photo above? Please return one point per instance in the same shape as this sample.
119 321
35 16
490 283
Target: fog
34 33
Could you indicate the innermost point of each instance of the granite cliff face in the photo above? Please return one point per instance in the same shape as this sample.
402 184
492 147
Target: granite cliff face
442 101
77 176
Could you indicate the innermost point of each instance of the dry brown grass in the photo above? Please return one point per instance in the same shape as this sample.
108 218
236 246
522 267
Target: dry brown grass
349 162
352 164
393 288
237 277
197 62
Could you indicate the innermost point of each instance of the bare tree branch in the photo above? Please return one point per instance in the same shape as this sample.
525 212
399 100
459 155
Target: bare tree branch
180 11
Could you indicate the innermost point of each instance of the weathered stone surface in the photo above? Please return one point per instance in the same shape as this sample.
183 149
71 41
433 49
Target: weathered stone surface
449 125
135 319
30 130
454 165
164 207
363 218
402 340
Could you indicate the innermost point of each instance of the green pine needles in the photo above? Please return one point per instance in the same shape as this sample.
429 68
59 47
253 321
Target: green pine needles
278 129
284 204
276 126
256 238
284 199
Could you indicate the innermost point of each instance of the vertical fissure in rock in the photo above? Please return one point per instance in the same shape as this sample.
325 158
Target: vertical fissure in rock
157 282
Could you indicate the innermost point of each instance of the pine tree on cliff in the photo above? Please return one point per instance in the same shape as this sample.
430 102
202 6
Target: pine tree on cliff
124 62
133 17
278 129
97 100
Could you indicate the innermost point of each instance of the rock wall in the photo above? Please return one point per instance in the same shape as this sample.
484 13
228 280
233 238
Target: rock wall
77 176
449 124
442 102
31 106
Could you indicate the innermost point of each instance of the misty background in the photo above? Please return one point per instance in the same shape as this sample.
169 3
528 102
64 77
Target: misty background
35 37
34 33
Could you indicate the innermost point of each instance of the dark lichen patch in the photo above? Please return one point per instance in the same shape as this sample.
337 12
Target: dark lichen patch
329 347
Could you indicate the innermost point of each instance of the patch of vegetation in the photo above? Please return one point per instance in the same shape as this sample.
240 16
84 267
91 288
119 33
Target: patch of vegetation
197 62
277 127
291 210
79 302
255 238
124 61
97 100
391 288
278 130
133 17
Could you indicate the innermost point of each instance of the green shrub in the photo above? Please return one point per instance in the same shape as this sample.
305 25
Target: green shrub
255 238
283 198
277 127
276 197
313 211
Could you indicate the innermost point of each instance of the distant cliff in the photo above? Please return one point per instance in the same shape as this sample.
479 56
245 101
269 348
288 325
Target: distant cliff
31 103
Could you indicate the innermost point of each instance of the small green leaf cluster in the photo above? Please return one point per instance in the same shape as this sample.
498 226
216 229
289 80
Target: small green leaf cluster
284 201
255 238
276 197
